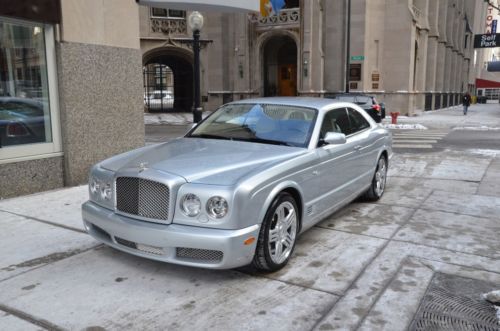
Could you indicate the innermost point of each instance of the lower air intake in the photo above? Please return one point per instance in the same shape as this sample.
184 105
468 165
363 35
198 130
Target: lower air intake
199 255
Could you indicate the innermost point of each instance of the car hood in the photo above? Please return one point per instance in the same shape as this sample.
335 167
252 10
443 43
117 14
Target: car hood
206 161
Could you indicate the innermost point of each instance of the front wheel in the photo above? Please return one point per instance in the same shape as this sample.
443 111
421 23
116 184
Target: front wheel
277 235
377 187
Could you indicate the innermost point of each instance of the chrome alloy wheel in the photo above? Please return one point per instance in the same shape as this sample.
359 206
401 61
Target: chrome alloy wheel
282 232
380 177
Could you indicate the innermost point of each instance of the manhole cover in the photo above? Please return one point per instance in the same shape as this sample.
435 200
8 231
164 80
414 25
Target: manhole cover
454 303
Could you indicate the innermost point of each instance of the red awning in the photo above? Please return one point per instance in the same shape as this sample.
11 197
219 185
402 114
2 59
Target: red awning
484 83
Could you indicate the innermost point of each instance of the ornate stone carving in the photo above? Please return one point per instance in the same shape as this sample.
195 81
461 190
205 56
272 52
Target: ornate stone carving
285 17
169 26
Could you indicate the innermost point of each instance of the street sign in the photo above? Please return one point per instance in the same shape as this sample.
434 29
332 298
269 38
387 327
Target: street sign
487 40
357 58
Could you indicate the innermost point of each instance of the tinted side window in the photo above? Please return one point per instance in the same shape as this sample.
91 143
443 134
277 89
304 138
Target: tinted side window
335 120
358 122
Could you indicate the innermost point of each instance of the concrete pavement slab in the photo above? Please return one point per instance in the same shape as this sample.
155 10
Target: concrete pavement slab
412 192
115 291
411 280
60 206
490 185
12 323
474 205
436 166
328 260
369 219
461 233
28 244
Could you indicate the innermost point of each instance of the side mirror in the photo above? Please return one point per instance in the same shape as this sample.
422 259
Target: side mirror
335 138
194 125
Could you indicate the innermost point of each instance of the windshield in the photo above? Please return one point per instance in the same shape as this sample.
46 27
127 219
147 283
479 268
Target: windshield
261 123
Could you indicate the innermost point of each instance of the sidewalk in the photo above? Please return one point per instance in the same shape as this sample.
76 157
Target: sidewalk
479 117
389 265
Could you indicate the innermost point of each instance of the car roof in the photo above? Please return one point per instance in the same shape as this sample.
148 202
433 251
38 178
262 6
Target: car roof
310 102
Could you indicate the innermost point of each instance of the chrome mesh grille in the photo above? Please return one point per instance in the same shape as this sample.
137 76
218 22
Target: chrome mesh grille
142 197
200 255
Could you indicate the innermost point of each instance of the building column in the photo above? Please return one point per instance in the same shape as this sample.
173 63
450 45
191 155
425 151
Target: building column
421 78
440 72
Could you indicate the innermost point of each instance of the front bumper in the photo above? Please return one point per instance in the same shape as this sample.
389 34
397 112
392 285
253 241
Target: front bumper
174 243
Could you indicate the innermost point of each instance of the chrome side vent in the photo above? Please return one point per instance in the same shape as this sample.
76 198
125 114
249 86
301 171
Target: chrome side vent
310 210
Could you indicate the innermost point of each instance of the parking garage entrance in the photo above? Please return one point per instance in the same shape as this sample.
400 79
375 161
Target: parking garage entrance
168 81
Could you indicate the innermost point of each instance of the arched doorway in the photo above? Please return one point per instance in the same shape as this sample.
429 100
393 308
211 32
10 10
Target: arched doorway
168 81
280 67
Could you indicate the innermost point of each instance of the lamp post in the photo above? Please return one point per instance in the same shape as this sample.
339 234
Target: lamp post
195 21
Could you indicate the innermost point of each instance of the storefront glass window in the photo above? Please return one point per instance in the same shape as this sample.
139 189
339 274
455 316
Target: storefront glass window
24 93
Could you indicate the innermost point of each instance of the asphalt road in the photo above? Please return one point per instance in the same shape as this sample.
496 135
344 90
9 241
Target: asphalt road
467 139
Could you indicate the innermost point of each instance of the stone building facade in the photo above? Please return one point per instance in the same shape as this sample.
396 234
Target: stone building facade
414 55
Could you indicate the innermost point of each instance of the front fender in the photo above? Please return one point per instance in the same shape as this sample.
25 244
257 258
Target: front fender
272 193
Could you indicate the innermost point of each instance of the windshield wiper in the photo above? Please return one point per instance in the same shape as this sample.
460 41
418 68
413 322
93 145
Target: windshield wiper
269 141
208 136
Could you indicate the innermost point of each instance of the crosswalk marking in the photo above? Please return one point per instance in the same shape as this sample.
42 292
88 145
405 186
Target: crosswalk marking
417 139
422 146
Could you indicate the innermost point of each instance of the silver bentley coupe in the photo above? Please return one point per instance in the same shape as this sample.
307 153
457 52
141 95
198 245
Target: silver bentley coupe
240 186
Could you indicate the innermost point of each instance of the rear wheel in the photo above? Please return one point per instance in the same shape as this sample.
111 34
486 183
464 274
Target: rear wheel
377 187
278 234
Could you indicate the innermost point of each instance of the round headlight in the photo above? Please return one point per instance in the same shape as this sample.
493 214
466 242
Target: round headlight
190 205
93 185
106 191
217 207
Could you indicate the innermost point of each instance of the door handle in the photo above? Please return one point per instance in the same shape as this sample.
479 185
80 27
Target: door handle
315 172
358 147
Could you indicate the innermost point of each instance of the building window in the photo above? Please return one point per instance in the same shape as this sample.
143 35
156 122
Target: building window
168 13
28 95
292 4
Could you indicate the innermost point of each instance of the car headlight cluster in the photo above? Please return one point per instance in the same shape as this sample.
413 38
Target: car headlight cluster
100 189
216 207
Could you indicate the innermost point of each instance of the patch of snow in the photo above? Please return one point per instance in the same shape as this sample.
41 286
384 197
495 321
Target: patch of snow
492 297
404 126
485 152
476 128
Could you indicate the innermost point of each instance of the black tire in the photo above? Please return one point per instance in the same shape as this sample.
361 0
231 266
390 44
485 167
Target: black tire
377 186
265 259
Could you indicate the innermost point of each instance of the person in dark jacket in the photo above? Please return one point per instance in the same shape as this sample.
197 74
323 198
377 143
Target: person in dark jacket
466 102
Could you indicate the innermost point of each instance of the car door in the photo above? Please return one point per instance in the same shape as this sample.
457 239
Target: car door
334 172
364 142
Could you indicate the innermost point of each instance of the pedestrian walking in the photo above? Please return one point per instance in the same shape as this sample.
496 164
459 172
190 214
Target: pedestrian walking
466 102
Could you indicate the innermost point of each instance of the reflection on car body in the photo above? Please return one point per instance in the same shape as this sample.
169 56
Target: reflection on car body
22 121
241 186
